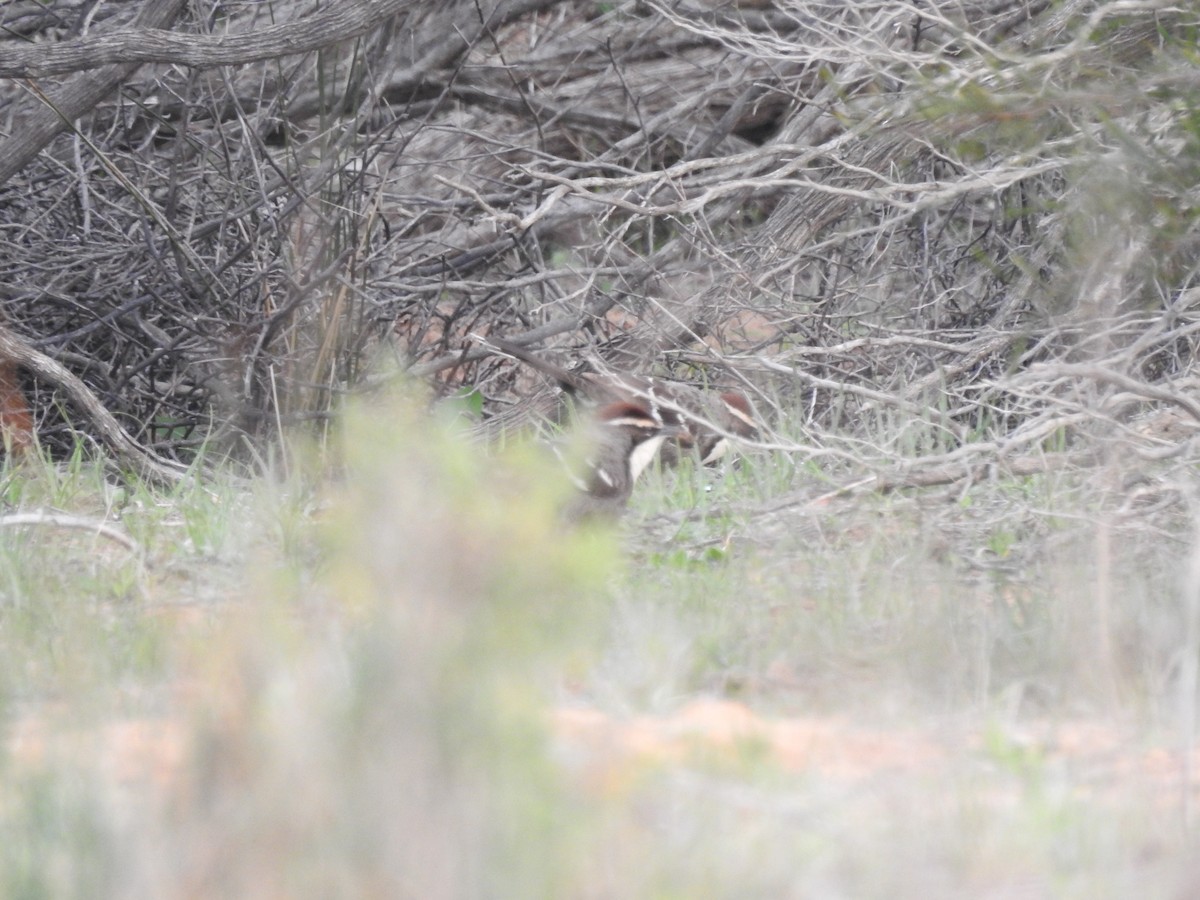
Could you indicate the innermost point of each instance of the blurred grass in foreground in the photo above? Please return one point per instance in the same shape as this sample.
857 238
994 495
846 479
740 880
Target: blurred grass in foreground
369 723
389 672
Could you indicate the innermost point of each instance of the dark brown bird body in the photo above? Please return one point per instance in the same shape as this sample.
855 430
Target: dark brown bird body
623 439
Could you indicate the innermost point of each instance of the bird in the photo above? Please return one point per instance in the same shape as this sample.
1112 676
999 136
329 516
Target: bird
731 413
707 418
622 438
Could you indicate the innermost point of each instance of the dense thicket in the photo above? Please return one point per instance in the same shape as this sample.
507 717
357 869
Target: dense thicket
959 229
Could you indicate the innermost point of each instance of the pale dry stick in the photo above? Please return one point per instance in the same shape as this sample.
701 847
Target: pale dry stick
915 340
792 157
869 394
512 283
1136 338
928 195
971 354
85 198
455 40
1049 421
1051 395
98 527
1118 379
1044 425
496 215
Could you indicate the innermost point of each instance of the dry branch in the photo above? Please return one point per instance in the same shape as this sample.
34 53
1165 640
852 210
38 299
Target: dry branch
125 449
40 124
150 44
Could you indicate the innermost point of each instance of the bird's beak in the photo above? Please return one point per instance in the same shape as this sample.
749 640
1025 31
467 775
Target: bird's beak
679 432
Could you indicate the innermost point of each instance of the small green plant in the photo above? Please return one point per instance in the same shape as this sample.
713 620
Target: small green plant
1000 542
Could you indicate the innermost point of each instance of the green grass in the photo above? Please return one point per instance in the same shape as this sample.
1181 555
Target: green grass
347 684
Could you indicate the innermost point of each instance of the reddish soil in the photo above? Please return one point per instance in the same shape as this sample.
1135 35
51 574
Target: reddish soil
606 753
1101 758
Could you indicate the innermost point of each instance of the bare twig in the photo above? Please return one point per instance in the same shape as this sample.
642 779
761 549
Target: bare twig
98 527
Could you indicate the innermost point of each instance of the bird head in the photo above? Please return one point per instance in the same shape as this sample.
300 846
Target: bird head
642 429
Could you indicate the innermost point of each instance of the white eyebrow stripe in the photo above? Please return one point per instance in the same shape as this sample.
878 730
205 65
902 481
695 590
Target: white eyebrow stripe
733 410
636 422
